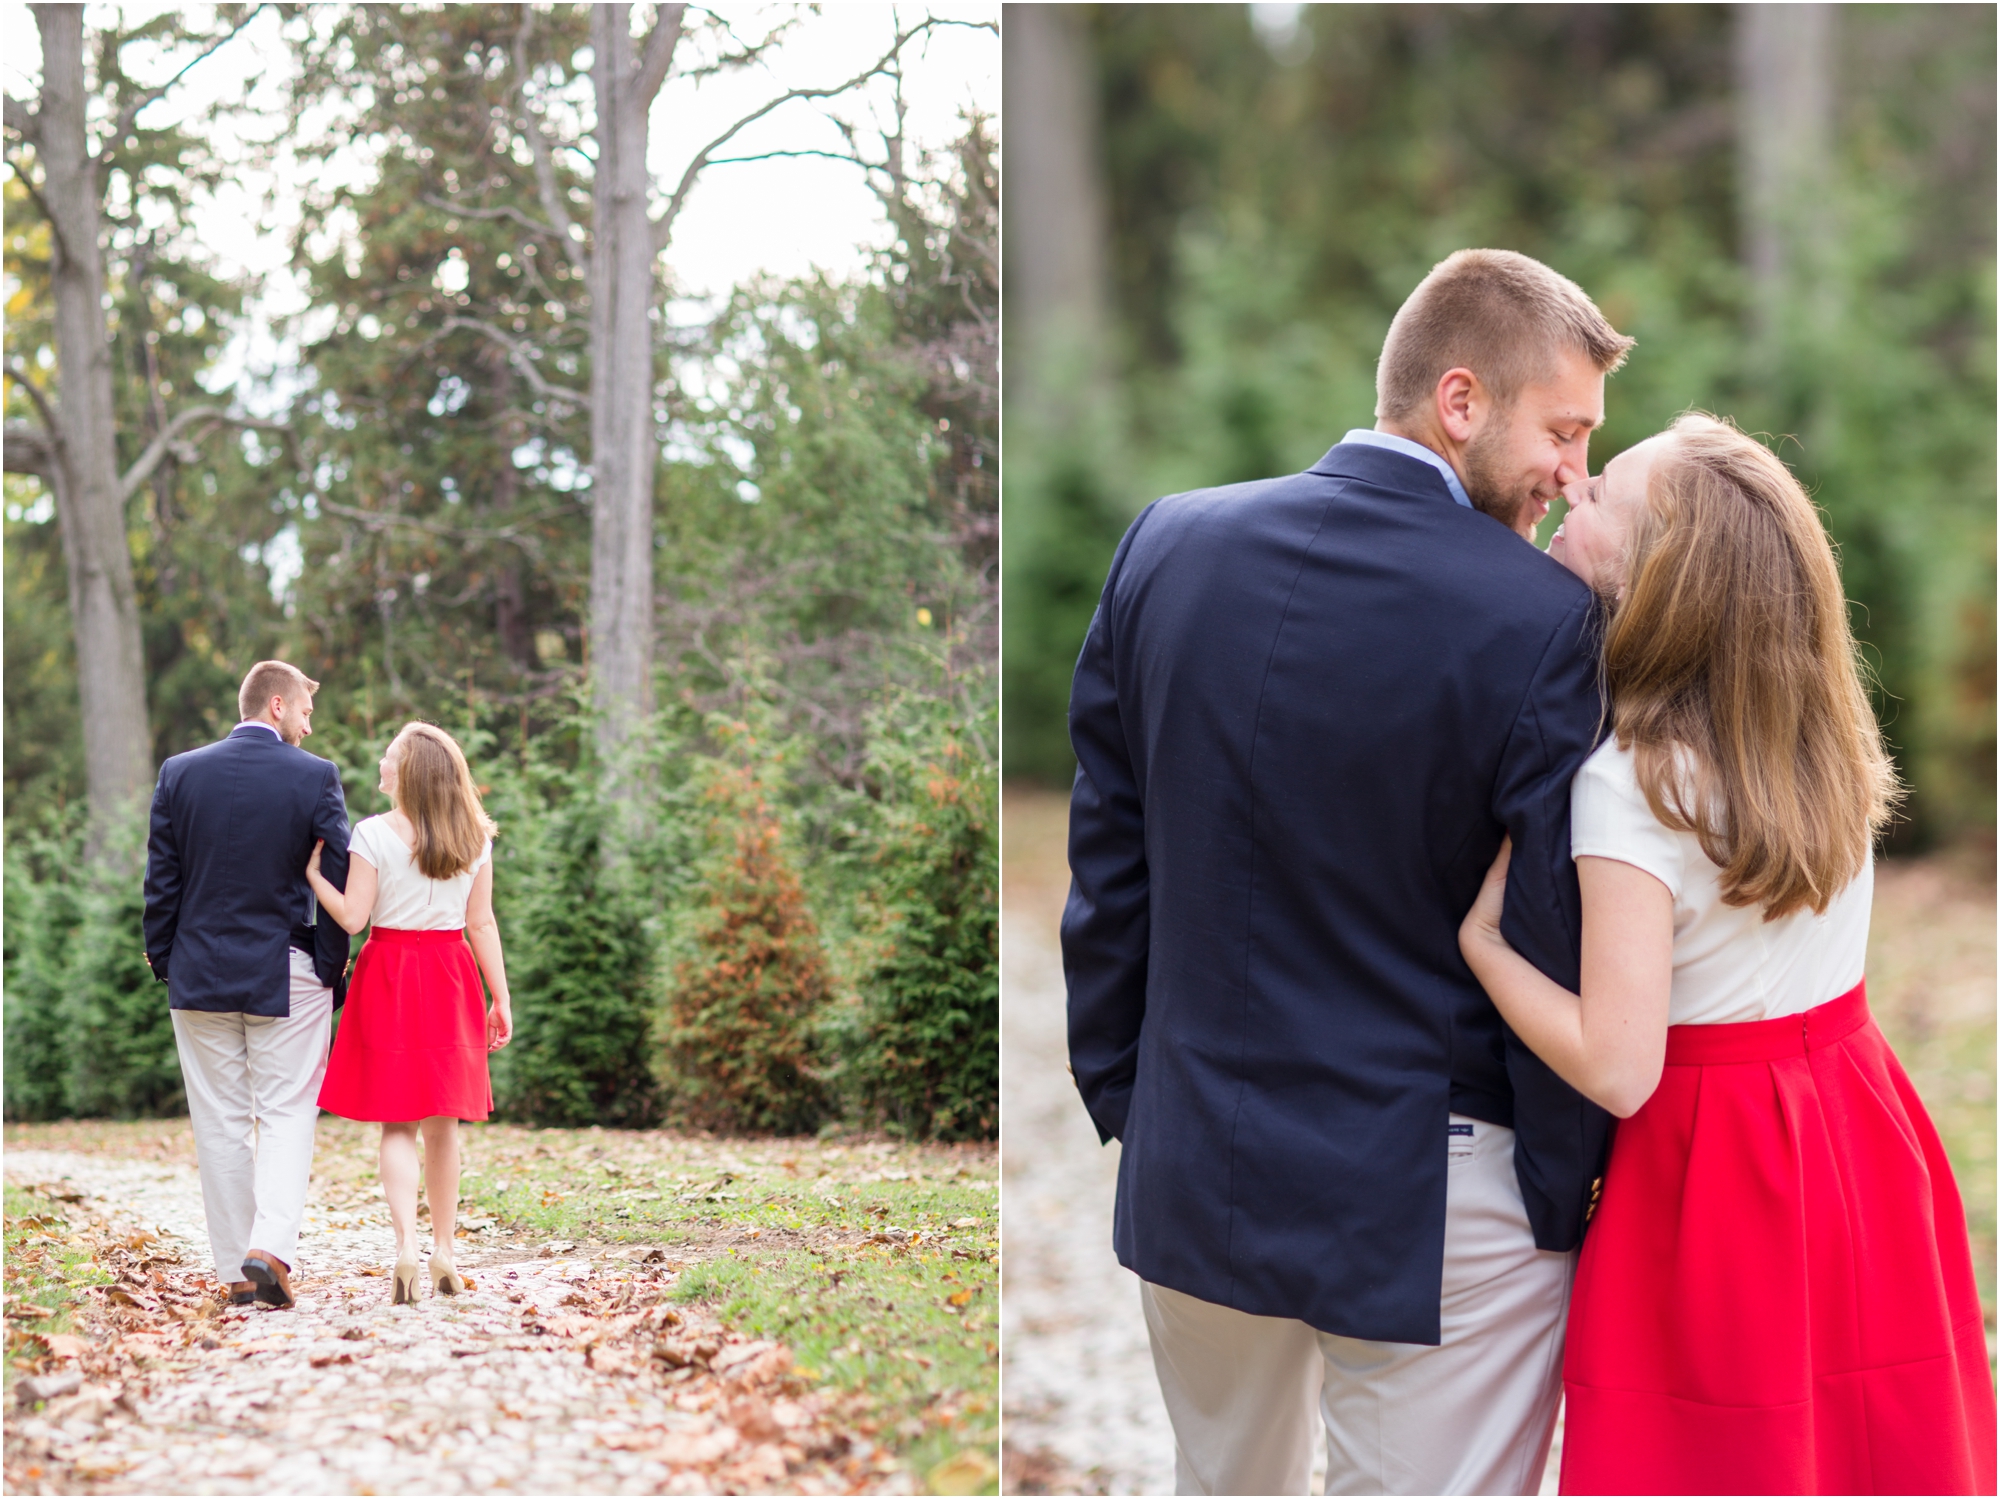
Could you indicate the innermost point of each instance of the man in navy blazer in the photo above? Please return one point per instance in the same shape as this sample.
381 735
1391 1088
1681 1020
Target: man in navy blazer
1307 712
252 977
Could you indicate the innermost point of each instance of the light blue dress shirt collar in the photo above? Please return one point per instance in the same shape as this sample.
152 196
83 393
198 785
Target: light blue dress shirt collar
258 723
1415 450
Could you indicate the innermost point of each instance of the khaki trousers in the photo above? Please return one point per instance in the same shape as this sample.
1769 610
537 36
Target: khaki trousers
1471 1416
253 1099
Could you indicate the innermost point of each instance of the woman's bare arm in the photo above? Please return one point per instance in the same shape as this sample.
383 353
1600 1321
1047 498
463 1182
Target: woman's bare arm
482 931
352 908
1610 1043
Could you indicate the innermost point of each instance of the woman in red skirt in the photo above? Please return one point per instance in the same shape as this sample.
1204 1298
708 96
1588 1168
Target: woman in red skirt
413 1040
1775 1295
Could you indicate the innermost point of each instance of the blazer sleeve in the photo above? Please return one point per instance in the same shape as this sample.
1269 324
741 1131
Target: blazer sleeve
1559 1135
330 941
1106 923
163 883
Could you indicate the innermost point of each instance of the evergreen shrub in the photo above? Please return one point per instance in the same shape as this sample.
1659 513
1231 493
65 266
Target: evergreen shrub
42 916
88 1028
925 1056
126 1065
580 959
741 1046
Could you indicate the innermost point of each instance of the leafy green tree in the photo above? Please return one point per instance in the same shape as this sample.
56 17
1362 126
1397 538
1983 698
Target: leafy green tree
445 535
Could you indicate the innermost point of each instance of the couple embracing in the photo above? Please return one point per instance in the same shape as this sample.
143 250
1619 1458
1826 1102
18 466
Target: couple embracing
253 887
1440 906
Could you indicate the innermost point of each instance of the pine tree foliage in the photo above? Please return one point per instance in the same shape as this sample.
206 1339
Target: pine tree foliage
88 1030
580 961
124 1061
926 1053
741 1048
42 918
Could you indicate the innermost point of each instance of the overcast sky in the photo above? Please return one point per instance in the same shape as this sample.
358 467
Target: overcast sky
782 217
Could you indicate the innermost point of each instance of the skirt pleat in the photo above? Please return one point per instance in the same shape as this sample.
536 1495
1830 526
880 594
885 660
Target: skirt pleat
412 1037
1776 1293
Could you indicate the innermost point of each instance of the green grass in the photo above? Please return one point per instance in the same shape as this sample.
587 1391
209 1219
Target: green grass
916 1331
876 1265
46 1266
556 1199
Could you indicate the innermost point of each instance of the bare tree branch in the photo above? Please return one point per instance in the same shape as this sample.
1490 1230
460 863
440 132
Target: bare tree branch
130 112
519 357
659 53
21 176
545 166
23 121
724 161
746 51
663 226
158 449
381 520
29 451
19 376
505 211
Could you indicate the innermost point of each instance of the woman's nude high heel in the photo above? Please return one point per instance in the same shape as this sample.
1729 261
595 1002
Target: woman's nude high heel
445 1276
405 1289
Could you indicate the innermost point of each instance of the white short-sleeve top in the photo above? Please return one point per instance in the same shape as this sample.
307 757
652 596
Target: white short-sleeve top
406 899
1730 964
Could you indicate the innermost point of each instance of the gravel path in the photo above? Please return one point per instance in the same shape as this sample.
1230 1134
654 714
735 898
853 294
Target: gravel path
1083 1411
498 1390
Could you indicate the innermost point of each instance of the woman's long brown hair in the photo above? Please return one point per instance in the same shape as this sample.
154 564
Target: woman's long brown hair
434 790
1732 674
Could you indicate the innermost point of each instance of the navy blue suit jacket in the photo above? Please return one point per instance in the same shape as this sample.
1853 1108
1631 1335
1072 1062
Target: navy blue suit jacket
234 823
1306 713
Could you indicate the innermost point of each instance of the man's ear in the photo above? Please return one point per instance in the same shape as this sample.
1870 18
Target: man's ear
1461 399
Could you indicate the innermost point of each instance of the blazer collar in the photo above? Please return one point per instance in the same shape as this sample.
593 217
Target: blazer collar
1386 468
252 731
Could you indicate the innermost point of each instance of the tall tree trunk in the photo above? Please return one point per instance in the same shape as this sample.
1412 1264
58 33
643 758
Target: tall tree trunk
1055 243
623 449
1785 118
510 600
104 608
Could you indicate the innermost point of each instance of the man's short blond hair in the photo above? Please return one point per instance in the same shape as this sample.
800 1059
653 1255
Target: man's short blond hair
269 679
1503 316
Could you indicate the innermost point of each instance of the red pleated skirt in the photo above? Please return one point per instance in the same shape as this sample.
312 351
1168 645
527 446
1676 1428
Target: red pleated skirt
412 1038
1776 1293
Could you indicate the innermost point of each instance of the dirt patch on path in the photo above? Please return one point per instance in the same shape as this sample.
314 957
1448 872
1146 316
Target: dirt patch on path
571 1370
1083 1411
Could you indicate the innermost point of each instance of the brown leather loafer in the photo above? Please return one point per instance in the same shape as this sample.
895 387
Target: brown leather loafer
242 1292
271 1276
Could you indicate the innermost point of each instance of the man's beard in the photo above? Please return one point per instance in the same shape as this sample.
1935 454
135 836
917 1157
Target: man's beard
1486 484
